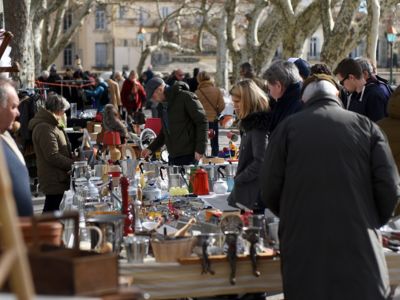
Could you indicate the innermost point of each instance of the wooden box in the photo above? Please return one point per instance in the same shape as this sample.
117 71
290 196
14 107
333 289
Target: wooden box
70 272
61 271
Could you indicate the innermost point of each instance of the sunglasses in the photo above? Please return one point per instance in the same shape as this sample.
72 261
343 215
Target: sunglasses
344 79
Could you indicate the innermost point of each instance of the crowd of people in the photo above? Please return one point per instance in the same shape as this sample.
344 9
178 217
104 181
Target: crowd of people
319 148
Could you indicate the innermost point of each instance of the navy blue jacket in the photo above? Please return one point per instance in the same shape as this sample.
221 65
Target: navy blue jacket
288 104
372 103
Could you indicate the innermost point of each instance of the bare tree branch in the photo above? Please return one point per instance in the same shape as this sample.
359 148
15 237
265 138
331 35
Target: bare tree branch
373 30
287 9
326 16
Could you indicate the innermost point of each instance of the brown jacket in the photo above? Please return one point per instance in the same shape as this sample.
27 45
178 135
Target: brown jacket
211 98
391 127
115 96
53 153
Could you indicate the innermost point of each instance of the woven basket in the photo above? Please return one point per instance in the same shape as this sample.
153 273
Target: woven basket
172 250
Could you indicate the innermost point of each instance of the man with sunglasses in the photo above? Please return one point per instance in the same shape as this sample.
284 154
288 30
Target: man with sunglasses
362 98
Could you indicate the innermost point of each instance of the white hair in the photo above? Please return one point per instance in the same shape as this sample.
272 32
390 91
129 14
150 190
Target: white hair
322 87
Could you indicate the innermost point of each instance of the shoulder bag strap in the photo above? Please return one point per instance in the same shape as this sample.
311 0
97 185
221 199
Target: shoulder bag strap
215 108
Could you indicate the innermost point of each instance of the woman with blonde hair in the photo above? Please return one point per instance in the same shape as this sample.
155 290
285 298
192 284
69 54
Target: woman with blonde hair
213 102
253 111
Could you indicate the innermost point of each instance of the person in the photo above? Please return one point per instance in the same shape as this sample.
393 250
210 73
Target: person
252 109
133 97
184 122
118 78
329 175
53 150
302 65
16 166
192 81
213 103
362 98
115 95
54 79
390 126
149 73
112 122
372 78
176 75
100 96
247 71
284 85
320 69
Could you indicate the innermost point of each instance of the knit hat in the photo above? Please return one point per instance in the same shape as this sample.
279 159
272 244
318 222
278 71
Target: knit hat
302 65
152 85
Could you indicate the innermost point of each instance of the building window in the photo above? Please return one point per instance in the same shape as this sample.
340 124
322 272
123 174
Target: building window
100 19
101 54
67 21
141 16
68 55
164 11
313 47
122 12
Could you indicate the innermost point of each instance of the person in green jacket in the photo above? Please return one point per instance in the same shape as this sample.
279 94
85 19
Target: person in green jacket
53 150
184 122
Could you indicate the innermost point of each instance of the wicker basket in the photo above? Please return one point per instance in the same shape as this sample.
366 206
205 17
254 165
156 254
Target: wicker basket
172 250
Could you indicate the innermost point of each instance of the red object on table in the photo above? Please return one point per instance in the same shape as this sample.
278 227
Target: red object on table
154 124
200 182
129 218
111 138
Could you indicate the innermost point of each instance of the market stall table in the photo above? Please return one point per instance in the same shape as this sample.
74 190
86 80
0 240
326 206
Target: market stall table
173 280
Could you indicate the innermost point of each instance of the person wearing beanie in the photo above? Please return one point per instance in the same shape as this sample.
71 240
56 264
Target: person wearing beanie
184 122
330 177
302 65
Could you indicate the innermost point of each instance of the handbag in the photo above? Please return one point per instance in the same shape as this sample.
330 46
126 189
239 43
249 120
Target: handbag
218 116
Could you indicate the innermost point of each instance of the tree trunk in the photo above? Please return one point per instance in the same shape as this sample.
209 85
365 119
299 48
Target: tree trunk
18 21
373 32
143 57
222 72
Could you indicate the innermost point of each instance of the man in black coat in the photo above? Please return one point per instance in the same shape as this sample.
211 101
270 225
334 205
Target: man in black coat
330 176
284 84
184 122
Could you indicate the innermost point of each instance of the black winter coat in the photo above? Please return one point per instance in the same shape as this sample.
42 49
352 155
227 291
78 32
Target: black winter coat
288 104
331 178
184 126
254 140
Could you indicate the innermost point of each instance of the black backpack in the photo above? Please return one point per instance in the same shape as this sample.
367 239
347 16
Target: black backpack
104 97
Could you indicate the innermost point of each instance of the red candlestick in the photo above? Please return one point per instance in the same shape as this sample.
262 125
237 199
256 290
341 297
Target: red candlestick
125 206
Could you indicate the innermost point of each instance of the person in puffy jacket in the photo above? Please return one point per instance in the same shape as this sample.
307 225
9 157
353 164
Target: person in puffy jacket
184 122
53 150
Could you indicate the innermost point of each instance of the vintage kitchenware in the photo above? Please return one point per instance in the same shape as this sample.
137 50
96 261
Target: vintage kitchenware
251 234
111 226
151 193
85 240
137 248
170 250
220 187
80 169
199 182
60 271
